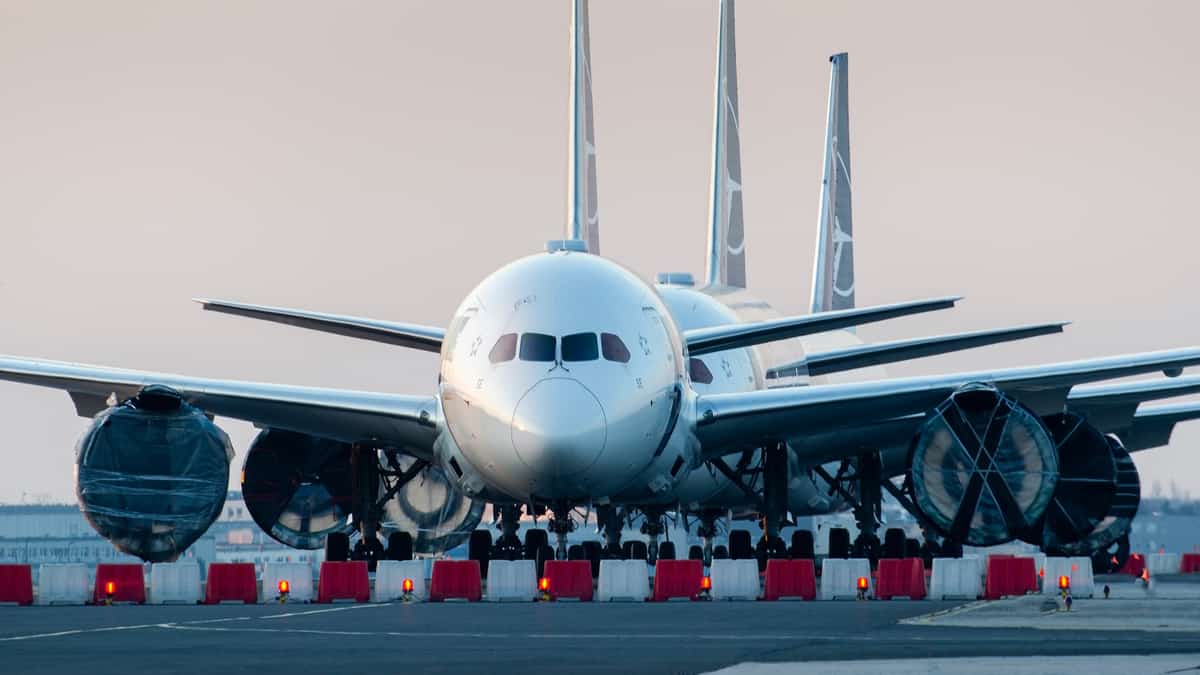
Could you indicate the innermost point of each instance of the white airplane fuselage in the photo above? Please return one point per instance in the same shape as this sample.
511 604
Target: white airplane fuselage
564 378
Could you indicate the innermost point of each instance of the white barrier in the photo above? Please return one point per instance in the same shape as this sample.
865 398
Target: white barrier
839 578
512 580
734 579
1163 563
390 576
1077 569
175 583
623 580
63 584
956 578
299 576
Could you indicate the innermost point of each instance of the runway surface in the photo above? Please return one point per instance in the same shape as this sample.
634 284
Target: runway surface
527 637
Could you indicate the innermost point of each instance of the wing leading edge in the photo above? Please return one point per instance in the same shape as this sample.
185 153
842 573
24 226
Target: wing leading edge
406 422
415 336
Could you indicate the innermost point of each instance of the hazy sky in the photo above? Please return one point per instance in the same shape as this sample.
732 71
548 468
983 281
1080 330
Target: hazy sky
380 158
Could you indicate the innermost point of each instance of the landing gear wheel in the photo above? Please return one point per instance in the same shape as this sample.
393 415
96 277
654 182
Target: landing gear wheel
337 547
545 552
400 546
535 539
720 553
666 550
893 543
839 543
768 549
802 545
740 547
695 553
480 548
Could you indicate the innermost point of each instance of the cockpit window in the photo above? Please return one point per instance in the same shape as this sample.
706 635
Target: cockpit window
580 347
613 348
504 349
699 372
537 347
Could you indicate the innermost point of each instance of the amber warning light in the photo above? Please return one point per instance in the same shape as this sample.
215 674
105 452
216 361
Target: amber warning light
1064 582
407 586
544 584
110 588
284 587
706 584
862 583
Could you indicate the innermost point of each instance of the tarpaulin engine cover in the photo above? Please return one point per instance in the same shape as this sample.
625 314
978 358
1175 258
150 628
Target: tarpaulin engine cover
152 473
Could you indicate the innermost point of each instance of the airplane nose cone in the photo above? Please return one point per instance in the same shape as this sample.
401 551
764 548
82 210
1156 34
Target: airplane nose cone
559 427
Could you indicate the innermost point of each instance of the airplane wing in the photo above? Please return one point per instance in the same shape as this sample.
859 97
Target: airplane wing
732 421
426 338
862 356
405 422
1152 425
735 335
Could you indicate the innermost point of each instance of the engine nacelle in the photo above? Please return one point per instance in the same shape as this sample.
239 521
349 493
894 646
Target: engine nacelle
151 474
430 508
982 467
1100 508
300 488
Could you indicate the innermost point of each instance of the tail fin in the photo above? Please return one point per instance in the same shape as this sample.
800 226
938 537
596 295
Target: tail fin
833 270
583 217
726 234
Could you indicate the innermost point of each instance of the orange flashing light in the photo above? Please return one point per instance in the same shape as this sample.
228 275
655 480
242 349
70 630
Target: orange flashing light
1064 582
1145 574
407 585
544 584
1042 573
706 584
863 583
284 586
110 588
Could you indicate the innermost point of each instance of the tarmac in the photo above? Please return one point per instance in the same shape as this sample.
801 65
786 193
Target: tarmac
674 637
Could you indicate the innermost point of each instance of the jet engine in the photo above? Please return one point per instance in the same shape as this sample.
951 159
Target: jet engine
982 467
300 488
429 507
152 473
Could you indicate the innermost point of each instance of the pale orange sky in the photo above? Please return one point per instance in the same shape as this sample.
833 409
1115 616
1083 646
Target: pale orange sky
380 158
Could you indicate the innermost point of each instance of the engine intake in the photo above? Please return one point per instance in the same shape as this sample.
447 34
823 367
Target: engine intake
982 467
152 474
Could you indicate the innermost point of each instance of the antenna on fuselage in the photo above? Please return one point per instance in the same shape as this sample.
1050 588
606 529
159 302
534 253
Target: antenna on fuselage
726 265
583 217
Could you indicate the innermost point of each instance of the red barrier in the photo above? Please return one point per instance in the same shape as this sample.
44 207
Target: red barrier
790 579
569 579
231 582
344 580
456 579
128 584
1010 576
16 584
677 579
1190 563
1135 565
901 577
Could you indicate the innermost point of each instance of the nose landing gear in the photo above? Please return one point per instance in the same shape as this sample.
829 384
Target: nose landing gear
561 525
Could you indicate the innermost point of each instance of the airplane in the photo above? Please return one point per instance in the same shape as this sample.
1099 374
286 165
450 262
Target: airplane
566 380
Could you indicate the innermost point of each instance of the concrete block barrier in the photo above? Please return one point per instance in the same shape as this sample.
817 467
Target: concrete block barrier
231 582
512 580
299 578
344 580
900 577
734 579
1164 563
677 579
569 579
63 584
175 583
1010 575
1078 571
623 580
390 576
839 578
956 578
128 583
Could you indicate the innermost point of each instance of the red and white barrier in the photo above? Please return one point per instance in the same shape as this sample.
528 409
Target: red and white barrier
16 584
623 580
63 584
734 579
1010 575
1077 570
390 576
176 583
839 578
1163 563
677 579
900 578
958 578
344 580
512 581
790 579
299 578
455 580
119 582
568 579
231 582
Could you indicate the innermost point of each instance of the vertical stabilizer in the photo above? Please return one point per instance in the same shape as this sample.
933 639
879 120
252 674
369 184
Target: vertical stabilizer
726 233
583 218
833 270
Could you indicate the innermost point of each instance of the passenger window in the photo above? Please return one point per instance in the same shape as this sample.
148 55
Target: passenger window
537 347
504 349
613 348
580 347
699 372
